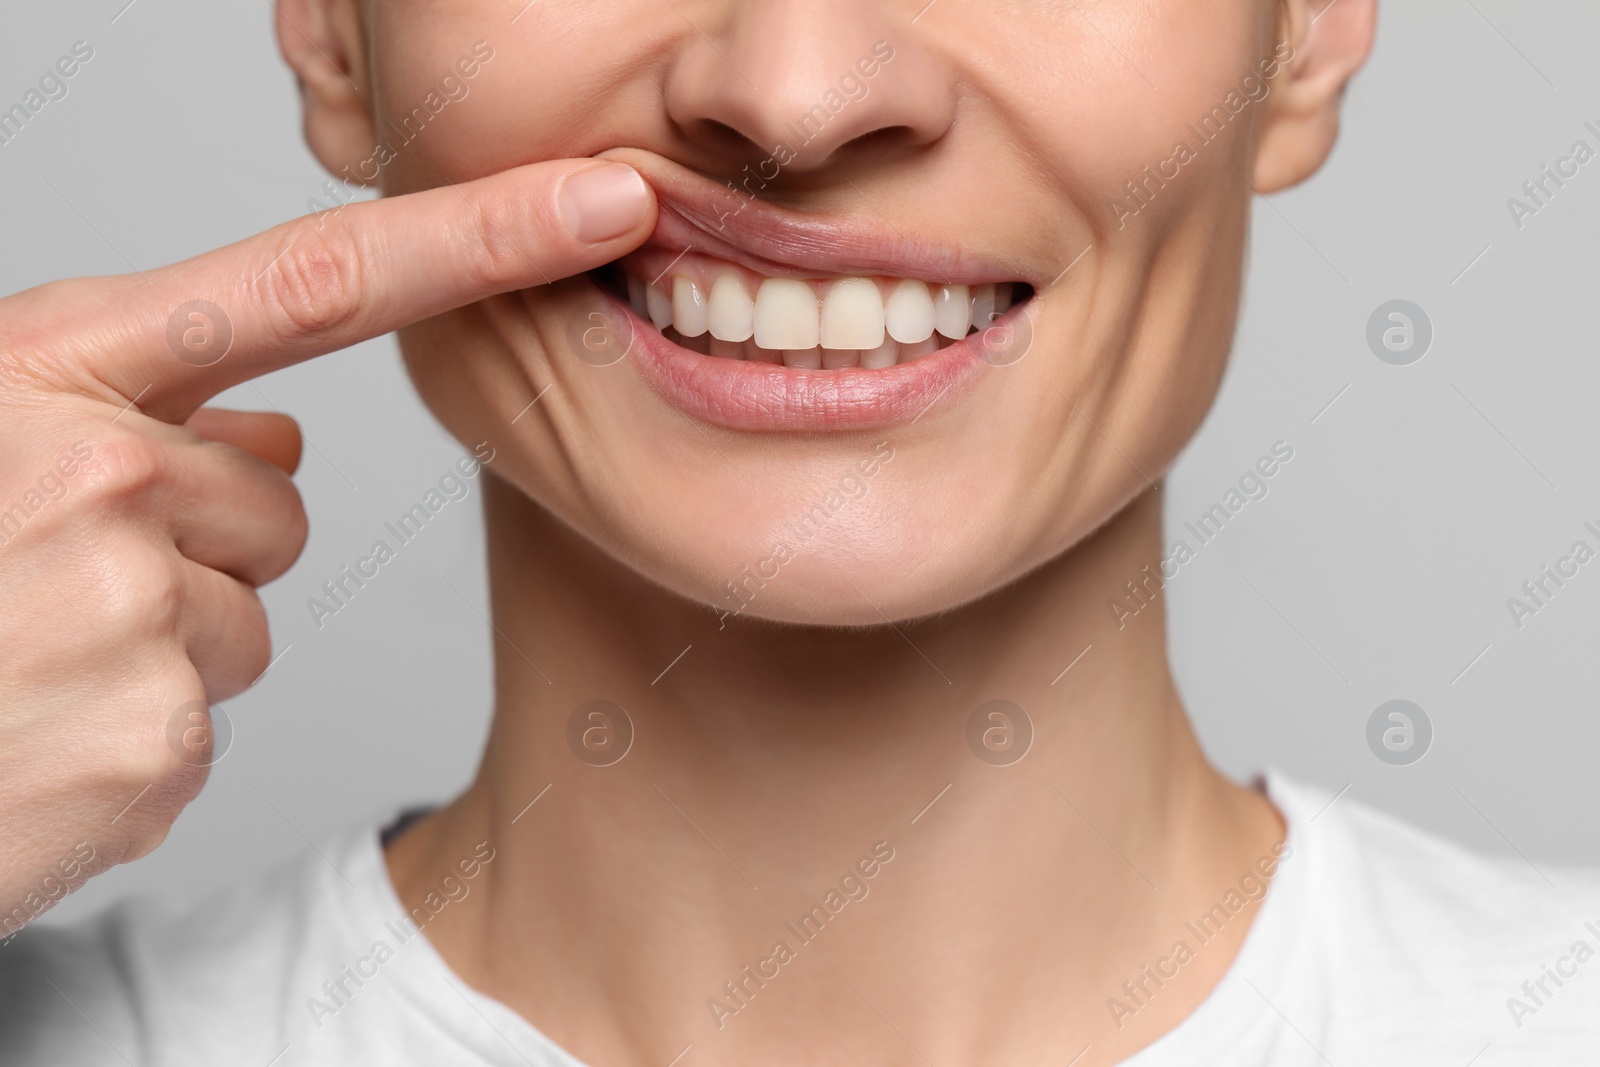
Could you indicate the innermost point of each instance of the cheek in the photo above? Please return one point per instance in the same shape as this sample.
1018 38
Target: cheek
508 119
1122 86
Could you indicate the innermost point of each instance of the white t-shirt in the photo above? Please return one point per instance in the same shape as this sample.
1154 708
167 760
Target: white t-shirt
1377 944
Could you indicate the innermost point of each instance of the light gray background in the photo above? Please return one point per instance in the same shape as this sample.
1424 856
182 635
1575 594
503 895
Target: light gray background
1378 567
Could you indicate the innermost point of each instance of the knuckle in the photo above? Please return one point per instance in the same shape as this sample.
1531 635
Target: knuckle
495 251
157 785
125 467
148 761
141 595
315 283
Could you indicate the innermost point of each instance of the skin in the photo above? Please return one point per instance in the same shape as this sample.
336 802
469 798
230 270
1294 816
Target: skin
799 733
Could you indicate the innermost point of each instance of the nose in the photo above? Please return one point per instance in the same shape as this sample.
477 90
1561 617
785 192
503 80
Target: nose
809 83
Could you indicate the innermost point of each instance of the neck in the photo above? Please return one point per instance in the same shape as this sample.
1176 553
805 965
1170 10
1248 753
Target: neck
801 856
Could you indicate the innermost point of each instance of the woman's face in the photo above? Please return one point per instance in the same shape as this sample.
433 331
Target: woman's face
835 175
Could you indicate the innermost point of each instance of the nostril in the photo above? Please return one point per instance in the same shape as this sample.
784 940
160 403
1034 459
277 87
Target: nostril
724 139
877 145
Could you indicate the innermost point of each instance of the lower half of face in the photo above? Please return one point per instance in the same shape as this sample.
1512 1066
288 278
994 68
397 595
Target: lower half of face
930 300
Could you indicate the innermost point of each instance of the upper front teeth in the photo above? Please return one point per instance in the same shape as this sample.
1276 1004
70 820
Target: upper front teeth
909 312
689 312
866 322
731 313
785 315
853 315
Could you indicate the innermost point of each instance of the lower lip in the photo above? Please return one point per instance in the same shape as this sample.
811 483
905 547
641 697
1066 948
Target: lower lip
742 395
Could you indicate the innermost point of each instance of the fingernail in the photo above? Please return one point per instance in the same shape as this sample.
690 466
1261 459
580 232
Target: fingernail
603 201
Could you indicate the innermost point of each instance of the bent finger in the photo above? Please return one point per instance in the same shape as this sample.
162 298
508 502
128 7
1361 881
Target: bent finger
269 435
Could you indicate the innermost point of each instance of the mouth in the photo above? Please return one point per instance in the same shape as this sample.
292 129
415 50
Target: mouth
718 309
754 317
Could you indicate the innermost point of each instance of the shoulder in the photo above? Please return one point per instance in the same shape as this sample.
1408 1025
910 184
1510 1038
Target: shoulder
138 980
1412 930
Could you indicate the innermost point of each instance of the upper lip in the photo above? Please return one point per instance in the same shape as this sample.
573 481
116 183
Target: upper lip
717 220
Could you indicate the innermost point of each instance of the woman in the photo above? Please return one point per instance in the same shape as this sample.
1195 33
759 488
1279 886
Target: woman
823 360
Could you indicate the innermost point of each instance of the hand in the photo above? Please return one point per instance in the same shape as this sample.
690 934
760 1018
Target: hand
136 526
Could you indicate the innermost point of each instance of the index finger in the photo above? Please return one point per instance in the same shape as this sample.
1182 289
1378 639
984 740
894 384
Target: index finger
323 282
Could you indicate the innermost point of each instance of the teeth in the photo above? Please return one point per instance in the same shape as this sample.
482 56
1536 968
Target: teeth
853 315
885 355
909 313
816 325
730 313
786 316
983 304
660 307
688 307
952 311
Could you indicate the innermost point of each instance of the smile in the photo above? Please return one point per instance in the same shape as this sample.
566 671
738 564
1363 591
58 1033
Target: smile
754 317
718 309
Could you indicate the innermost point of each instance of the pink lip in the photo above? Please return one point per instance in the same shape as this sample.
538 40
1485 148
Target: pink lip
757 397
716 220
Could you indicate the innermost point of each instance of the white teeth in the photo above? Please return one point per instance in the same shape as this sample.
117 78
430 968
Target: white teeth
730 313
909 313
659 305
786 315
885 355
983 304
688 307
952 311
837 324
852 315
